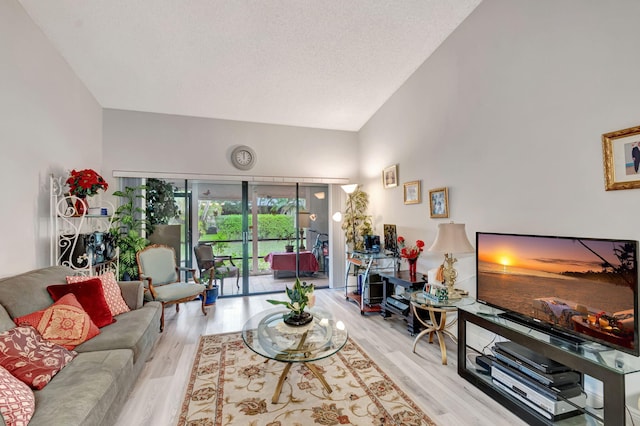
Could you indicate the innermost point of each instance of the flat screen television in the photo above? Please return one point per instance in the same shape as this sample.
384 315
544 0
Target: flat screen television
584 289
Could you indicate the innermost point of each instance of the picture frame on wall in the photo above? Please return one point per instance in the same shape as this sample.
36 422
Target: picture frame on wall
621 158
390 176
412 192
390 239
439 203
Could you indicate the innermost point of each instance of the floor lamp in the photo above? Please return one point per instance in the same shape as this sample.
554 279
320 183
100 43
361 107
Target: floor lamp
451 238
349 190
303 222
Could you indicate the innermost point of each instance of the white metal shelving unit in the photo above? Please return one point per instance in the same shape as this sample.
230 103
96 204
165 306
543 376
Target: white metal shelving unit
79 241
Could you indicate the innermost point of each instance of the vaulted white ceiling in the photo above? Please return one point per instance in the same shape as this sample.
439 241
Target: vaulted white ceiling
313 63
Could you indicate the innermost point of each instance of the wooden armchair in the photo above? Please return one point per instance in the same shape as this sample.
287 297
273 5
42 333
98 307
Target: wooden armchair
161 277
215 267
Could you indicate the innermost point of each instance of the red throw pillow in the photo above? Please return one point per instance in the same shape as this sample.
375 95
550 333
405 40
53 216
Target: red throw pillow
64 323
30 358
112 292
90 295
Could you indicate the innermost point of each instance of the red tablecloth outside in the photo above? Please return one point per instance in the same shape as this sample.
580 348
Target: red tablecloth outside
287 261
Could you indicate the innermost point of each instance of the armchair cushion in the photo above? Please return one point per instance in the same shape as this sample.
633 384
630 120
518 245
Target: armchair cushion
158 263
175 291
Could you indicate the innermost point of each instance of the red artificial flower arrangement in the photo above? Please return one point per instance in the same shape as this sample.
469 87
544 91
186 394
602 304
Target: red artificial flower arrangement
85 183
410 252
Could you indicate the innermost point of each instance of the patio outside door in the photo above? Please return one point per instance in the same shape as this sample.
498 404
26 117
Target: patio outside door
248 221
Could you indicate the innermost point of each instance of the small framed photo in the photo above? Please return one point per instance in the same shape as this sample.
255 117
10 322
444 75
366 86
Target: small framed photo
412 192
621 157
390 176
439 202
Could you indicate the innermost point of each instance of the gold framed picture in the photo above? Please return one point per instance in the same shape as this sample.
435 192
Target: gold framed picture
412 192
390 176
439 203
621 158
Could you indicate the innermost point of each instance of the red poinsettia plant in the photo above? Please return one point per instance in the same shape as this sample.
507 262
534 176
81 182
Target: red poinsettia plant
85 183
410 252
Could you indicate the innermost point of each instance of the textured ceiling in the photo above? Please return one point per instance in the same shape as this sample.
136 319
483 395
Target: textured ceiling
325 64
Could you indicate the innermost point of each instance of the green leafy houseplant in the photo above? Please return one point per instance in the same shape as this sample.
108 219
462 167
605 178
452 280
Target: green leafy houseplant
161 205
356 223
128 229
300 296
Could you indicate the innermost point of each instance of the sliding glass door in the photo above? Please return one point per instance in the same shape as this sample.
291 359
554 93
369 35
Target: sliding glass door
271 232
256 223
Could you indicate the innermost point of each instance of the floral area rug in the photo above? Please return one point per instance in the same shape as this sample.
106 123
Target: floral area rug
231 385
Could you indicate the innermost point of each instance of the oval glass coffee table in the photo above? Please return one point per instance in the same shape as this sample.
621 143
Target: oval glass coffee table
267 335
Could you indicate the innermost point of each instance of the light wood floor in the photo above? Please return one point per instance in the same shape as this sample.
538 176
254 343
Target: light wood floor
437 388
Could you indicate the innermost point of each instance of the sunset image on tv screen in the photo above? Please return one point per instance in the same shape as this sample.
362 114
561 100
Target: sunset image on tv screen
587 286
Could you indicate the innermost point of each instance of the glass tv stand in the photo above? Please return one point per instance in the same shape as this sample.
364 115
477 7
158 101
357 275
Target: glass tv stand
610 367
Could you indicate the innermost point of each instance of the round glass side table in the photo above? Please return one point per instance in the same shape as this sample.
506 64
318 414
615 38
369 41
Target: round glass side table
432 314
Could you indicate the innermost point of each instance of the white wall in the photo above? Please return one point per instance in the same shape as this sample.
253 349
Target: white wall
508 114
50 124
148 142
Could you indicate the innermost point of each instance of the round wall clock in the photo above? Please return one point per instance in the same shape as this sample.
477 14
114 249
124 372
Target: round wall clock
243 157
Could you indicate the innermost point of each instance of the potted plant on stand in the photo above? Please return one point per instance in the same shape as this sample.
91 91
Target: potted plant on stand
356 223
160 209
82 184
128 230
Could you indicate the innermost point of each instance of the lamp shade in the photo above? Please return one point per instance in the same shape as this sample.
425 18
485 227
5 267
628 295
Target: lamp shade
303 220
350 189
451 238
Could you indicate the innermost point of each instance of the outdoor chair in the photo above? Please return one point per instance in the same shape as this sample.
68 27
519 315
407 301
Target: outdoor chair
161 277
221 266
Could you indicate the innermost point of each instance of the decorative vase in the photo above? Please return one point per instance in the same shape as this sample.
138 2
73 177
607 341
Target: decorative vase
297 319
412 266
81 206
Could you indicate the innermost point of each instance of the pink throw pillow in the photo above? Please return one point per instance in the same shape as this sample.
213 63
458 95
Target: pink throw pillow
17 402
112 293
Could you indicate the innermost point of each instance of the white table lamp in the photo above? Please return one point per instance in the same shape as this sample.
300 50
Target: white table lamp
451 238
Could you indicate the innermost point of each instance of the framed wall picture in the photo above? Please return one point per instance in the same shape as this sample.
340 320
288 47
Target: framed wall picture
439 202
390 238
390 176
621 157
412 192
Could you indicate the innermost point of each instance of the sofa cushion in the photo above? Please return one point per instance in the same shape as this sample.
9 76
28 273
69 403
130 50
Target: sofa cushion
135 330
112 292
85 391
64 323
17 402
25 293
30 358
90 295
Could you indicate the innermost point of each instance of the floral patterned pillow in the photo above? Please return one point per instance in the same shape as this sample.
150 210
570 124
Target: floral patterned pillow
30 358
64 323
112 292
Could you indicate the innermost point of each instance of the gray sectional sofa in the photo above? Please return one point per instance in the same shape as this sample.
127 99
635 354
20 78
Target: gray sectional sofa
93 387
